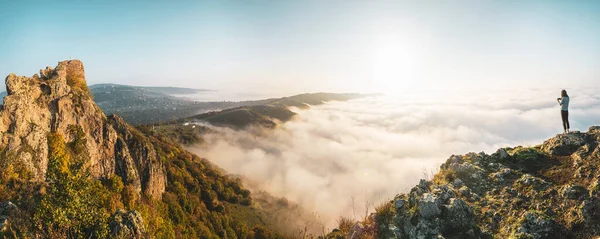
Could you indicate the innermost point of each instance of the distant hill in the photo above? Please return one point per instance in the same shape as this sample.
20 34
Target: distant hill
147 105
172 90
112 97
265 113
240 117
168 90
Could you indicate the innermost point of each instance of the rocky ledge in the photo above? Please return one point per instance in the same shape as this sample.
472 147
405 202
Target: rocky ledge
548 191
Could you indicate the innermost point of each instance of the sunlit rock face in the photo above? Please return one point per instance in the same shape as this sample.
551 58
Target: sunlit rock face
57 100
564 144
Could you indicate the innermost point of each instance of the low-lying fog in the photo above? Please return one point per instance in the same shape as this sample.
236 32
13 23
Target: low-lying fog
336 158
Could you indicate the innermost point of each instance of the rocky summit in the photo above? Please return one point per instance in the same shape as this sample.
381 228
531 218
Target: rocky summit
547 191
69 171
57 101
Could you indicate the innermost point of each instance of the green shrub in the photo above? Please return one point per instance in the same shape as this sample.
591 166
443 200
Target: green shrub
114 183
72 206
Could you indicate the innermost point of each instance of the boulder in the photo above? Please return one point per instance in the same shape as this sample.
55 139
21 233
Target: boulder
457 183
444 192
564 144
594 130
590 210
459 215
467 171
573 192
536 183
424 229
424 184
465 191
400 204
357 231
502 175
438 213
534 225
429 206
125 224
502 153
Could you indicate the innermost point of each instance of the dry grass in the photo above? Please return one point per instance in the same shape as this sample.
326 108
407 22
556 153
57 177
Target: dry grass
345 224
384 213
444 177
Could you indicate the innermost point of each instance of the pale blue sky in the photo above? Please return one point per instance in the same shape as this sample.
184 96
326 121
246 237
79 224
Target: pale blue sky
297 46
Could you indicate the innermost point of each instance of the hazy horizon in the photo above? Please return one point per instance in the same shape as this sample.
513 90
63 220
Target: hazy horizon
307 46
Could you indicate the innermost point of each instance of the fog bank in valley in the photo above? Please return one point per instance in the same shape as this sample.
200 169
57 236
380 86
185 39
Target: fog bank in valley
336 158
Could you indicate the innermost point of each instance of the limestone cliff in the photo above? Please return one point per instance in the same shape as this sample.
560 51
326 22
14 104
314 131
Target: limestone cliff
57 101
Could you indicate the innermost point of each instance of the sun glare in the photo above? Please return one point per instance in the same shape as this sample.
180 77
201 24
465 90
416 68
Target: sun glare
395 65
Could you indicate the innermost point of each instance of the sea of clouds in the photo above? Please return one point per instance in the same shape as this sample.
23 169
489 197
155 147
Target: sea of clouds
343 158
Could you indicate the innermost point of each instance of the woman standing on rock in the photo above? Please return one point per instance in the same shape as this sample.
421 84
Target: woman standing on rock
564 110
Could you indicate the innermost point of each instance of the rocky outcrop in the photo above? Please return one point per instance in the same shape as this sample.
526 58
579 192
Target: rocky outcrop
38 105
543 192
564 144
125 224
57 101
433 211
534 225
138 160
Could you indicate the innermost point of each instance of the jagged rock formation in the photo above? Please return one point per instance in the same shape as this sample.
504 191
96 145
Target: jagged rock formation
137 161
547 191
57 101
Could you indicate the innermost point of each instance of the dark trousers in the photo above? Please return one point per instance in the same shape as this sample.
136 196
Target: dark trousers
565 119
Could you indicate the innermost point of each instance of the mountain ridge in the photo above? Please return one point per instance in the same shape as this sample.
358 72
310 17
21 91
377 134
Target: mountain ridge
269 111
169 90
